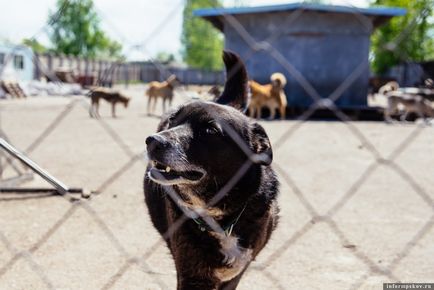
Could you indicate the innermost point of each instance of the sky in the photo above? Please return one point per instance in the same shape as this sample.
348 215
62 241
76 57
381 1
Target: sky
144 27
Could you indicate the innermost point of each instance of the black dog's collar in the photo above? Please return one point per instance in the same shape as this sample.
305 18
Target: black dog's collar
204 226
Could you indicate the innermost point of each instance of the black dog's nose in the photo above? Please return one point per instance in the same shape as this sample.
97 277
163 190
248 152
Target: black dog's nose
156 142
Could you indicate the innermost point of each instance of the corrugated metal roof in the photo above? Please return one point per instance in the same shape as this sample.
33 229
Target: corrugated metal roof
378 15
374 11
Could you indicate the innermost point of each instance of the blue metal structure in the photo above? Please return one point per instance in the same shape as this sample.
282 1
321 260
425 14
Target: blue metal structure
324 44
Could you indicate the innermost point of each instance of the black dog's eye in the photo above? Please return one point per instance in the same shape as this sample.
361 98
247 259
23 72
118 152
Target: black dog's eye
211 130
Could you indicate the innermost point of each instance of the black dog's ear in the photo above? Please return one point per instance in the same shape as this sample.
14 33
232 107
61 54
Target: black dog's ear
235 93
261 145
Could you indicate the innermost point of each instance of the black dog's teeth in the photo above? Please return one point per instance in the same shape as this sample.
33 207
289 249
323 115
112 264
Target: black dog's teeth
160 166
192 175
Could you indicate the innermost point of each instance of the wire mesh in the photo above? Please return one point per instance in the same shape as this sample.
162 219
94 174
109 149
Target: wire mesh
264 267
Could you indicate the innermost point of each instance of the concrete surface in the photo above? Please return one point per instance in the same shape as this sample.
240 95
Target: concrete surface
336 231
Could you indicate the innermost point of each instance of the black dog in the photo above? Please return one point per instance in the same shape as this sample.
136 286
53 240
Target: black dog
209 186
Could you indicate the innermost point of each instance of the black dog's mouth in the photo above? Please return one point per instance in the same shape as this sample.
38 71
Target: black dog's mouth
166 175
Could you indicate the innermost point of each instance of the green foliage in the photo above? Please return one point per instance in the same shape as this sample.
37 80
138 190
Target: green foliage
34 45
165 57
202 43
74 30
404 38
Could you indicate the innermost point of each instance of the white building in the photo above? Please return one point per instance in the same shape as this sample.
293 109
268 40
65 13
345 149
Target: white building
16 62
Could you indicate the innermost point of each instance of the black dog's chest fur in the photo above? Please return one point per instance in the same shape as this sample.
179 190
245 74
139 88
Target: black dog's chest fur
199 255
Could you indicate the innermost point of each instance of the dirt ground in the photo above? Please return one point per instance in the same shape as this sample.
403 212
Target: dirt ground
349 219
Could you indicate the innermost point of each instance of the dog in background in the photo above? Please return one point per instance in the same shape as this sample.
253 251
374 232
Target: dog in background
110 96
404 104
192 157
163 90
399 103
270 95
375 83
388 87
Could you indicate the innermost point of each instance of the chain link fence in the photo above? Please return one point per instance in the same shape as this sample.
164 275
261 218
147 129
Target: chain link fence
320 229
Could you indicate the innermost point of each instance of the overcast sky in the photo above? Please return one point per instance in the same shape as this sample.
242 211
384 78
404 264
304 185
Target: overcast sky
154 23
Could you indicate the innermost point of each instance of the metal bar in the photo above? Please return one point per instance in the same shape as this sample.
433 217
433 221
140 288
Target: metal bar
19 190
61 188
38 190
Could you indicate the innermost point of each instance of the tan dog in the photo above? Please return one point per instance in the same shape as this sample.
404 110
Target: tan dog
110 96
388 87
404 104
163 90
270 95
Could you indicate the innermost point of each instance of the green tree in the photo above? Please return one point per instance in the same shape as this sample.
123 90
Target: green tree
75 30
404 38
165 57
202 43
34 45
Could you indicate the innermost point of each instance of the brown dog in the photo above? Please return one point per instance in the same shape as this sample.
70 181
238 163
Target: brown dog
270 95
163 90
110 96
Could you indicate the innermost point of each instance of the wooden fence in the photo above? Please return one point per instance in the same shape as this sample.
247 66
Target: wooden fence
109 72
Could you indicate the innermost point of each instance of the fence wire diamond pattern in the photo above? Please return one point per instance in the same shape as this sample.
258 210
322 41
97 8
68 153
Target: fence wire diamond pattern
325 219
